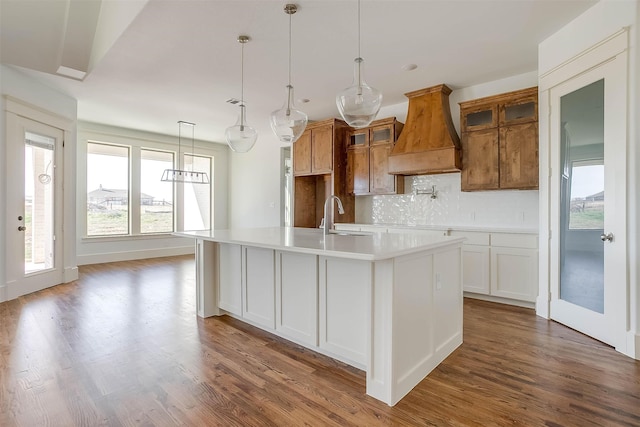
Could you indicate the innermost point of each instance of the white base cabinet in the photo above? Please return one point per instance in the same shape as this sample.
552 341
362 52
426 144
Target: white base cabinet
344 293
230 278
297 296
258 286
503 265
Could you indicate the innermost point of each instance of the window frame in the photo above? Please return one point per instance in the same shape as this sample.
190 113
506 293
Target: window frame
136 145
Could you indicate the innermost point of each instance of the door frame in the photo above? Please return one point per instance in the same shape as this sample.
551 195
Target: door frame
10 289
612 51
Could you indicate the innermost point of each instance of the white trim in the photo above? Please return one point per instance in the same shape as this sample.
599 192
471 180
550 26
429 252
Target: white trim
3 293
507 301
596 55
105 257
633 345
70 274
32 112
610 52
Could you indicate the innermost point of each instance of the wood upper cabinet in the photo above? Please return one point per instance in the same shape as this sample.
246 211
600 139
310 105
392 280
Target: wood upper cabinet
500 141
302 155
313 151
358 170
480 160
319 169
367 158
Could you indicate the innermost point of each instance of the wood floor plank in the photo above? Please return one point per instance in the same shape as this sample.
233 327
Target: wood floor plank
122 346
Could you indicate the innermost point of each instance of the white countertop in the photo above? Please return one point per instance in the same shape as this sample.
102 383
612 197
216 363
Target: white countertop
370 247
485 229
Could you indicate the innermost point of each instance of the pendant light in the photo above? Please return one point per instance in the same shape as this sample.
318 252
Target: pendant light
359 103
241 137
183 175
288 123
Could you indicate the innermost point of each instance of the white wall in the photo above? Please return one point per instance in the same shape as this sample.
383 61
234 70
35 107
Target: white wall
255 182
597 23
27 90
107 249
504 209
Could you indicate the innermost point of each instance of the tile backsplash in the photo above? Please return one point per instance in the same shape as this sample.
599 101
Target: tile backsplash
451 207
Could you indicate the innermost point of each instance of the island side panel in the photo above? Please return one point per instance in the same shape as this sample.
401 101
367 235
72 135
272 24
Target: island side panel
207 262
427 315
416 319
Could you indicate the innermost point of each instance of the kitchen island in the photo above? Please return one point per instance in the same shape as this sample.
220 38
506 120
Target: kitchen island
390 304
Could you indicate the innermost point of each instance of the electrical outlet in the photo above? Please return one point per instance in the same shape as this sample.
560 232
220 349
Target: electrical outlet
438 281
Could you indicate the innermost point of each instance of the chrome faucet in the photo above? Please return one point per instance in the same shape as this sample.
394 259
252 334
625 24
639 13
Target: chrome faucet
328 217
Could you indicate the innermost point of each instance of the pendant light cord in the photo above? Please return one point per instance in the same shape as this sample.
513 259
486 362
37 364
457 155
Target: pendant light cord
359 29
359 60
242 74
290 49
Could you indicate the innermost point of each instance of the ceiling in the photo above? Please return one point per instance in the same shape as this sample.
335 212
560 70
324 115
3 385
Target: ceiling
148 64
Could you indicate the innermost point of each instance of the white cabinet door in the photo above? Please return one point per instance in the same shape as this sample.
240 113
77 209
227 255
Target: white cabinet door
259 285
514 273
230 278
475 269
344 294
297 296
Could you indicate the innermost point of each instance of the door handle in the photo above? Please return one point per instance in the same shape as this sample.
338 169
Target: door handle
606 237
22 228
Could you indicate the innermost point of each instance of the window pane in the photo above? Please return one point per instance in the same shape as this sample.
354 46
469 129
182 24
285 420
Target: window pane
107 189
39 189
197 197
156 197
587 197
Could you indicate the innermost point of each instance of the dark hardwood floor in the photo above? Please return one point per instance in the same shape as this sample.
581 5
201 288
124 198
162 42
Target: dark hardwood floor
122 346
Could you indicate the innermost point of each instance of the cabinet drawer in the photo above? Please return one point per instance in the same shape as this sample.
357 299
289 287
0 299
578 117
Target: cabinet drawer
473 237
526 241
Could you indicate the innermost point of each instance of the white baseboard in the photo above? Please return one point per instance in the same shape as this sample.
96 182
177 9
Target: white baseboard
133 255
633 345
3 293
500 300
70 274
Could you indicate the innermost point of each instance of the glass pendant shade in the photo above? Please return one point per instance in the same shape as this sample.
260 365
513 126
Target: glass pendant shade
241 137
359 104
288 123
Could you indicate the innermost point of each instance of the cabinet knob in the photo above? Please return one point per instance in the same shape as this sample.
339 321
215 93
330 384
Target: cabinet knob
22 228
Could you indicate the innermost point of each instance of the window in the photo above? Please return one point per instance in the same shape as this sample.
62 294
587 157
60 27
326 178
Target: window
126 196
156 197
107 189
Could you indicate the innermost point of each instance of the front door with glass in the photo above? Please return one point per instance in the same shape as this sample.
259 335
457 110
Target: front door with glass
34 206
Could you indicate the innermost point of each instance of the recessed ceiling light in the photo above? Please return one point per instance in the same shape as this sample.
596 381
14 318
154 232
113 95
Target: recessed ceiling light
303 100
409 67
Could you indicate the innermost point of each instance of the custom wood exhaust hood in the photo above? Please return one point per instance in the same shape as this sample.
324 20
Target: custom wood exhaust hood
428 143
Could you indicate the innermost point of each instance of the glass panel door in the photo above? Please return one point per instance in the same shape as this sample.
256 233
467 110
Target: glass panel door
588 279
34 239
582 197
39 197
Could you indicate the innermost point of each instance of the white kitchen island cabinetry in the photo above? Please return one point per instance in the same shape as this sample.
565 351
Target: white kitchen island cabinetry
388 303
